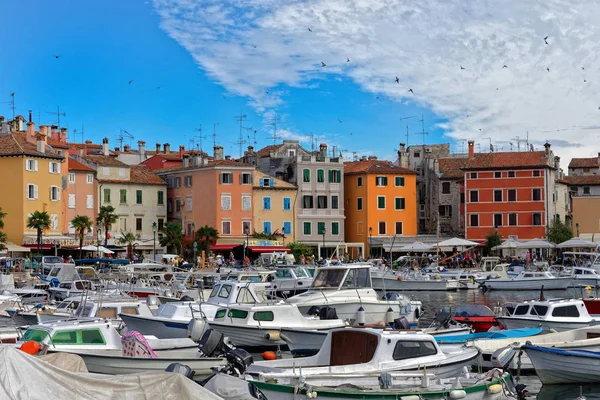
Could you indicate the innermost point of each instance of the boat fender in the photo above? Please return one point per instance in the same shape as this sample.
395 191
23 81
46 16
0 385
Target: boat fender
495 389
457 394
410 397
273 335
269 355
30 347
417 313
399 278
311 395
360 316
389 315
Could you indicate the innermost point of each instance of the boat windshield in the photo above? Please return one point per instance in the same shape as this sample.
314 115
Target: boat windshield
301 273
35 334
346 278
473 311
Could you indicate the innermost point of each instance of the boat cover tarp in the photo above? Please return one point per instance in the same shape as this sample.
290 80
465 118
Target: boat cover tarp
66 361
25 377
229 387
505 334
568 353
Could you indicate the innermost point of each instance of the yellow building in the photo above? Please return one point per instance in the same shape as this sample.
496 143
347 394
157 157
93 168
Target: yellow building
274 204
33 181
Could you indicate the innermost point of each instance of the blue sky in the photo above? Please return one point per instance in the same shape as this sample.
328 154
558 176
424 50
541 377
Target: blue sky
213 59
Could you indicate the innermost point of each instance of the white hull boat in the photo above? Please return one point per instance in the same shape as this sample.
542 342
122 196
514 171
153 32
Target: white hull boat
394 283
556 366
527 280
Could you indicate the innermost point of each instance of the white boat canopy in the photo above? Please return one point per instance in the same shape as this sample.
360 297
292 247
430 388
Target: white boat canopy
576 243
536 244
101 249
508 244
457 242
416 246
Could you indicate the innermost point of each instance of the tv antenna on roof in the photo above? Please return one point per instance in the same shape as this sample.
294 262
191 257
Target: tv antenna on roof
422 121
240 118
57 113
273 123
491 145
123 134
214 135
404 118
200 136
82 131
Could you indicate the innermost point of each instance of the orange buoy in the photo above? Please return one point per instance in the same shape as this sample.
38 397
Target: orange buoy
399 278
269 355
31 347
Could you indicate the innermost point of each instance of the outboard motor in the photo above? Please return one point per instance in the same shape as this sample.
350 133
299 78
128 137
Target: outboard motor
327 313
401 323
186 298
238 361
443 316
196 329
502 357
212 344
314 310
390 296
181 369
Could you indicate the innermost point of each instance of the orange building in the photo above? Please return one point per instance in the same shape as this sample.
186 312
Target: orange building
380 203
83 194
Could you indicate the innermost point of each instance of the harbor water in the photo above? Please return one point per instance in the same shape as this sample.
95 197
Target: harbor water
434 300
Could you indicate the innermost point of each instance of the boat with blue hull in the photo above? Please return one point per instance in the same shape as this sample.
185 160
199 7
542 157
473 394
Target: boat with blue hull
503 334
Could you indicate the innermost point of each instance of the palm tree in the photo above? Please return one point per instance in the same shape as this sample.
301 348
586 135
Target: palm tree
38 220
206 236
82 224
107 217
129 238
3 237
172 237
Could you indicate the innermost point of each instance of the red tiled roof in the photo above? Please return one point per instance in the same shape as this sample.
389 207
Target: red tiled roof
83 145
451 168
211 163
15 144
101 159
591 162
140 174
516 160
56 144
75 165
375 167
266 151
582 180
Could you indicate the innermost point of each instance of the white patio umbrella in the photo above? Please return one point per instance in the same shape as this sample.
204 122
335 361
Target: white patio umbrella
101 249
508 244
416 246
536 244
457 242
576 242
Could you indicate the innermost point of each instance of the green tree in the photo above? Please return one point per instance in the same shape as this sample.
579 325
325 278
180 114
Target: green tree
128 239
559 232
82 224
299 249
107 217
3 237
206 236
38 220
172 237
493 239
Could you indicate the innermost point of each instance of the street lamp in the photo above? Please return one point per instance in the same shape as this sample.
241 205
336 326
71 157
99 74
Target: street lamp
247 233
323 233
283 234
154 228
370 241
577 227
194 244
98 225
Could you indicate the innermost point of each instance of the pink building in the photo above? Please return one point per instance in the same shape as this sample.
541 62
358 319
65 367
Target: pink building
83 196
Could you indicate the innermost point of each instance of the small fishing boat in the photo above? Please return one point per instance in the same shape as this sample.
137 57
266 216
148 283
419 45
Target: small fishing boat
494 335
480 317
554 366
527 280
288 281
413 281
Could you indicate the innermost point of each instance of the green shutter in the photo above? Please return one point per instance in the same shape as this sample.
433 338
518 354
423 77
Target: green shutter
307 228
161 197
138 197
320 175
320 228
123 198
400 203
399 181
331 175
107 195
335 228
306 175
381 202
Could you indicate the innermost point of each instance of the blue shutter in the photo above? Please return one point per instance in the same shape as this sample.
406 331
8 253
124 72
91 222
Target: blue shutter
287 228
271 182
267 201
286 203
267 227
261 182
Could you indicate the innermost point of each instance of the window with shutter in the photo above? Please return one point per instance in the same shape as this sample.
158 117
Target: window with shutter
287 203
271 182
161 197
382 227
138 197
381 202
307 228
399 203
89 201
307 202
334 202
123 196
107 195
266 203
226 227
335 228
267 227
188 204
71 201
71 177
321 176
359 203
399 181
90 178
321 228
287 228
399 228
246 203
35 191
306 175
225 202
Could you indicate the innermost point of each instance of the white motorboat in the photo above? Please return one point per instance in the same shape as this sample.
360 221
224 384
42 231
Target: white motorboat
556 314
288 281
412 281
258 326
348 289
171 320
466 279
350 355
584 276
527 280
556 366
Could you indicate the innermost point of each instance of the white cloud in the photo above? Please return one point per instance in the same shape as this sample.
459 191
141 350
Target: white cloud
252 47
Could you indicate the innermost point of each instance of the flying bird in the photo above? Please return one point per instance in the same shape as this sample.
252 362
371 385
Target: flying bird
583 68
397 80
546 40
377 97
323 64
130 81
347 59
254 45
158 88
57 57
548 69
340 121
584 81
410 90
505 66
310 30
461 67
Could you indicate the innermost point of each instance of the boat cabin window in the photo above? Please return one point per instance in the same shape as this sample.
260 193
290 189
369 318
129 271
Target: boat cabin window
68 304
65 337
92 336
87 311
528 275
357 278
220 313
301 273
66 285
283 273
83 285
521 310
130 310
35 334
244 296
225 291
107 312
214 291
263 316
84 336
539 310
329 278
241 314
566 311
410 349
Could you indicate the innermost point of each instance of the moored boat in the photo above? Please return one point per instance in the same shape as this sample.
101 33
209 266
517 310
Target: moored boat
527 280
556 366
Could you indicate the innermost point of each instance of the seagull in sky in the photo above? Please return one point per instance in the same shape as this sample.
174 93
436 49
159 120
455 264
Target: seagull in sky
397 80
310 30
347 59
323 64
340 121
505 66
461 67
56 56
548 69
546 40
130 81
410 90
158 88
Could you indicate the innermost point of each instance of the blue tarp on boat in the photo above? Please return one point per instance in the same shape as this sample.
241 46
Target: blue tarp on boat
504 334
571 353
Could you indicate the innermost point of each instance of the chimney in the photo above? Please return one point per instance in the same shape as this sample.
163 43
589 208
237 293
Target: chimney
228 157
402 146
63 135
81 151
186 160
142 149
20 123
117 148
167 148
403 156
181 151
334 151
41 143
471 148
105 150
218 153
547 148
30 129
44 130
30 118
323 149
85 149
557 165
198 159
126 148
372 158
363 158
54 132
157 148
